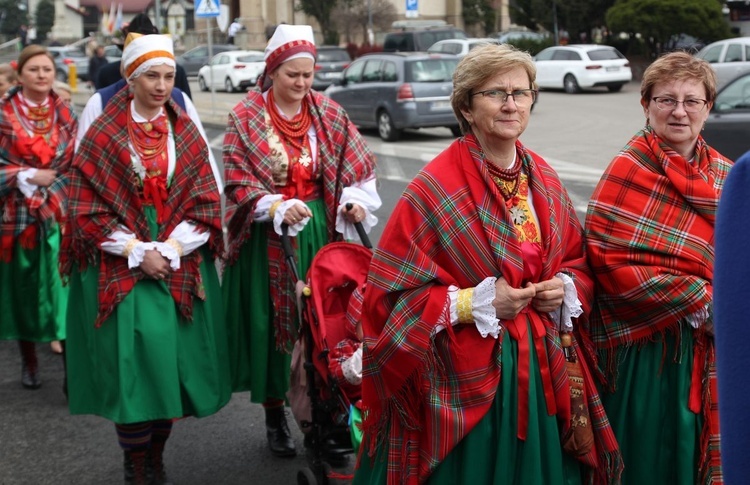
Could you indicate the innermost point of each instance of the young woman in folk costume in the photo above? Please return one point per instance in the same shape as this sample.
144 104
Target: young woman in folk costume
37 134
478 276
147 340
292 156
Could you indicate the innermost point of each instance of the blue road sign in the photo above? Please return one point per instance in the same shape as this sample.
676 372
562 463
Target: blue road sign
412 8
207 8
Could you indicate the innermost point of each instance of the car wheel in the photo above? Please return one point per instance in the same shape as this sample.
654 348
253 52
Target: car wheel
571 84
386 129
456 130
228 87
61 76
615 89
202 84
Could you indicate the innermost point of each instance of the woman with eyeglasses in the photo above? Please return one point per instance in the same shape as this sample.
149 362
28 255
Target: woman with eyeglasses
479 272
650 231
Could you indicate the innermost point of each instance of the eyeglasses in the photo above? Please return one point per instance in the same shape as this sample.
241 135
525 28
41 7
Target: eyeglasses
522 97
691 105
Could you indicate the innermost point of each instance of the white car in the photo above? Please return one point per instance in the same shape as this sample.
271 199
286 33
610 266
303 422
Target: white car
459 47
232 71
729 58
582 66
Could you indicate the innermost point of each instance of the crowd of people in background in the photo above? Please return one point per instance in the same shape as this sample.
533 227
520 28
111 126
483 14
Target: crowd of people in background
501 340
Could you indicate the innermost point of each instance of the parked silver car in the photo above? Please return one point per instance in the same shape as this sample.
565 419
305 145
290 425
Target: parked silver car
197 57
64 56
729 58
399 90
727 128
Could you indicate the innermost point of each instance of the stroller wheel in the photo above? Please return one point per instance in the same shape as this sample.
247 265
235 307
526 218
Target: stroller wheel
307 477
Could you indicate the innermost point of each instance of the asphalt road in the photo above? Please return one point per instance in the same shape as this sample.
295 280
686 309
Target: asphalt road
40 443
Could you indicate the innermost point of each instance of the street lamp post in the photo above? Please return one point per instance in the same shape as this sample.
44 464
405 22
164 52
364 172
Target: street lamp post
370 39
554 22
157 15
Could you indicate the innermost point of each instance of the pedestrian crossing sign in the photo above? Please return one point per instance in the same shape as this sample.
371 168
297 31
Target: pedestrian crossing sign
206 8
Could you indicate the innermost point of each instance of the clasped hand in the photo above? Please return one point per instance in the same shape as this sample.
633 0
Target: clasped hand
545 296
155 265
296 213
43 177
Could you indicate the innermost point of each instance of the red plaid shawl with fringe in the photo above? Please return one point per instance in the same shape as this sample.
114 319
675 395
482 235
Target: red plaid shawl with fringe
105 191
650 230
424 393
21 217
346 160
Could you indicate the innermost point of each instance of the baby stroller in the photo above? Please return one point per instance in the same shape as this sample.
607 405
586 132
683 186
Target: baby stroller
335 272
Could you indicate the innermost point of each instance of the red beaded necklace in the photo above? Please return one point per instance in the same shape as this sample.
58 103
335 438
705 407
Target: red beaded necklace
294 131
150 142
505 175
40 118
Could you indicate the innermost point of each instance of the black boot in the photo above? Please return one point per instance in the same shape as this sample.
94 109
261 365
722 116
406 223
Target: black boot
277 431
158 472
29 365
134 466
65 370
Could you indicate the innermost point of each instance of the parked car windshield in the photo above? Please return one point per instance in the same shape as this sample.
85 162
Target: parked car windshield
605 55
251 58
430 70
333 55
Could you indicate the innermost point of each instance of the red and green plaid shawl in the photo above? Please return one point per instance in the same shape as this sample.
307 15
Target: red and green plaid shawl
105 191
650 230
425 392
345 160
19 216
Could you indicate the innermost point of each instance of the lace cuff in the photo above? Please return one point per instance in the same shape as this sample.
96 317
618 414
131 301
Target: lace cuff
278 218
135 251
570 307
168 251
482 312
263 207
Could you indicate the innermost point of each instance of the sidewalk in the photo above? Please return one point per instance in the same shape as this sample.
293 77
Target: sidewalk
213 114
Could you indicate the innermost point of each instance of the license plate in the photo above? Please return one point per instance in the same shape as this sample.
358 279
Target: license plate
332 75
441 105
613 68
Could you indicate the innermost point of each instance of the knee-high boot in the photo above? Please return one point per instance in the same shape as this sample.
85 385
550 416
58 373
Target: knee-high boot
277 431
29 365
135 464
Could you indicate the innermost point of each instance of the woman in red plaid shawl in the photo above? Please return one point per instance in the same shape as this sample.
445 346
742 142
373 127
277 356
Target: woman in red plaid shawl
146 324
37 131
292 157
479 270
650 229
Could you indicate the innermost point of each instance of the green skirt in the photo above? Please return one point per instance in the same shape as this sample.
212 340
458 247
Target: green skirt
659 436
492 453
146 361
32 297
256 364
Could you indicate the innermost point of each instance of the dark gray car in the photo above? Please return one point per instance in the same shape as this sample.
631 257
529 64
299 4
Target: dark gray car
330 63
399 90
727 128
198 57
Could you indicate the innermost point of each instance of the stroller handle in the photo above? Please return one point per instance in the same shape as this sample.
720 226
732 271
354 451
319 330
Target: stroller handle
288 251
360 230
